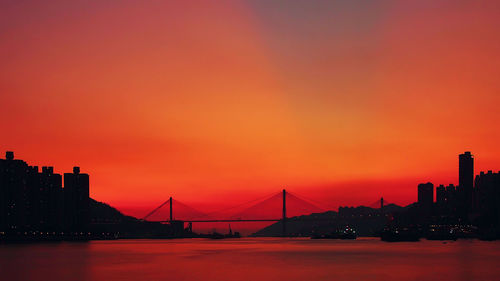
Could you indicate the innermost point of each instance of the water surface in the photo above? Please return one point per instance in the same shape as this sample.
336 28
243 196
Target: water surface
252 259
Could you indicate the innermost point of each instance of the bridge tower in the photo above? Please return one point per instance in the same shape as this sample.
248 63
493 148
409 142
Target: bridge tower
284 214
171 217
381 203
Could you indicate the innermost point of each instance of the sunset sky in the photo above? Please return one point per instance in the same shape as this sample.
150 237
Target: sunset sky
219 102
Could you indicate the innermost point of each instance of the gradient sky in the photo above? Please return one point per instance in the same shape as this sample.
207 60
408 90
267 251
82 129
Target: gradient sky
218 102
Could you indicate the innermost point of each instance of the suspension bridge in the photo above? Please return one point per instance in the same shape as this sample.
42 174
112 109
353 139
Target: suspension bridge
272 208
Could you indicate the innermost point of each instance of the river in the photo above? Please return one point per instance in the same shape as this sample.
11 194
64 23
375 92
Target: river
252 259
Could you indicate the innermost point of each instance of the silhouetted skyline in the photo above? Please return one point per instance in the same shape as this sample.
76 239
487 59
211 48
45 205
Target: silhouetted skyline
475 199
37 203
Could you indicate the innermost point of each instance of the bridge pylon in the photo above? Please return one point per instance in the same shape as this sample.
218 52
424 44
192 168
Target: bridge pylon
284 214
171 213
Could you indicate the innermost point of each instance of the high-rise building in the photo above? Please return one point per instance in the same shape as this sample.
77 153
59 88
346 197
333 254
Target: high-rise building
13 193
33 213
451 198
465 180
51 194
487 191
76 200
441 195
426 197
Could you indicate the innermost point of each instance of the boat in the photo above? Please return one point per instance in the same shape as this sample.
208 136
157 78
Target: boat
441 232
347 233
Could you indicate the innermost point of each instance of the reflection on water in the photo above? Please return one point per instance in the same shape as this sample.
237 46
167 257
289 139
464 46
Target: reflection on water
252 259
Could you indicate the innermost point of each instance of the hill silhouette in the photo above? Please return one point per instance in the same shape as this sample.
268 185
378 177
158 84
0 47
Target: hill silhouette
106 219
365 220
101 213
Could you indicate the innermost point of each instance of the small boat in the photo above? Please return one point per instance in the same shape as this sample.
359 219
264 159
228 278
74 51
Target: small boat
441 233
347 233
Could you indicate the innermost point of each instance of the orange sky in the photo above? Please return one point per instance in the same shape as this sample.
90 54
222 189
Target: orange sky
219 102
